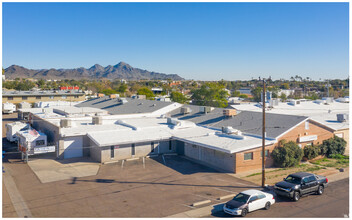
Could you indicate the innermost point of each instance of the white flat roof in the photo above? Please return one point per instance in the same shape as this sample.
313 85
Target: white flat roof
31 110
325 114
78 110
198 135
226 144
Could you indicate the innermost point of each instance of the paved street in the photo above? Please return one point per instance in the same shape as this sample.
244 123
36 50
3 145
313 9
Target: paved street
333 203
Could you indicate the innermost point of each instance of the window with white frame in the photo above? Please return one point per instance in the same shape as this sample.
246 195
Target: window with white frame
306 125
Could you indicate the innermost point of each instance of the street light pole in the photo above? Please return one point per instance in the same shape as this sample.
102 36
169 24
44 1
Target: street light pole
263 137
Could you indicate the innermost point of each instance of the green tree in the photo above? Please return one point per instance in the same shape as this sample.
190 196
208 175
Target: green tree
256 92
283 97
178 97
331 146
145 91
210 94
41 83
108 91
243 96
285 86
25 85
287 155
235 94
122 88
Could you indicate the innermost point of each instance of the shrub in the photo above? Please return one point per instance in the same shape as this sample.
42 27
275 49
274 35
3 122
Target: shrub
311 152
290 154
333 146
146 91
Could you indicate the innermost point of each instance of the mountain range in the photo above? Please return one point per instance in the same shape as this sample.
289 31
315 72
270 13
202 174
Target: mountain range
119 71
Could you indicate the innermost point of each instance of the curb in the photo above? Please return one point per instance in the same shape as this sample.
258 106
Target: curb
201 202
130 159
226 197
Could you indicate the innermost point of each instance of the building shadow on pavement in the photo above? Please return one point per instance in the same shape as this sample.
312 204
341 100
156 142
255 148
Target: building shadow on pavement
184 166
75 180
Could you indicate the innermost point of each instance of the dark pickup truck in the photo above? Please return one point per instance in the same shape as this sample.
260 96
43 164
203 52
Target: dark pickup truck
298 184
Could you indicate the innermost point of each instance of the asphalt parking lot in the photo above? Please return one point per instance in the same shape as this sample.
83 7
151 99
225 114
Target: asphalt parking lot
132 190
334 203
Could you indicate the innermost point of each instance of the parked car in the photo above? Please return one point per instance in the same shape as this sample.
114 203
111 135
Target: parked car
296 185
248 201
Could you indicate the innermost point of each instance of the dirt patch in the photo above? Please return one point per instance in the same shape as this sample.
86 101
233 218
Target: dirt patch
275 175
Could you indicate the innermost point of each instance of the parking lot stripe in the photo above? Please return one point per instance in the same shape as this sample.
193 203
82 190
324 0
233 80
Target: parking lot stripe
203 196
225 190
188 206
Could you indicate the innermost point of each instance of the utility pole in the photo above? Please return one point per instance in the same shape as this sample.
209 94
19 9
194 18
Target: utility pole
263 137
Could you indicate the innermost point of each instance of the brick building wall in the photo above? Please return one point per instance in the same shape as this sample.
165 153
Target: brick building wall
345 134
301 130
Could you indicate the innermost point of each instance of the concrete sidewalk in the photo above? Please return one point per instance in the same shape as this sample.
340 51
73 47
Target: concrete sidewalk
50 170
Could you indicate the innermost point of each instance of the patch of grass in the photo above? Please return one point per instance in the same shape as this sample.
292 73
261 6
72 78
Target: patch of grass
317 162
254 174
339 156
333 164
315 168
336 160
343 161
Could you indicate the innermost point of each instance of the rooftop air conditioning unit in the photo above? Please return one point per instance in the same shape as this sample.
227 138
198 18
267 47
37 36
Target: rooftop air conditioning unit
173 121
273 102
342 117
47 110
65 123
295 102
113 96
97 120
229 112
186 110
328 99
141 96
205 109
123 100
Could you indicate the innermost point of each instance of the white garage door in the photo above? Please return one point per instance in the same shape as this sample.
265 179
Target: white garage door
73 147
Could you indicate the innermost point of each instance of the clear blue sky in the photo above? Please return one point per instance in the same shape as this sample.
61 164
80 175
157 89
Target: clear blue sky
205 41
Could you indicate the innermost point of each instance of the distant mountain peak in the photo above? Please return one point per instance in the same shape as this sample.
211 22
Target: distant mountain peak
96 67
122 64
121 70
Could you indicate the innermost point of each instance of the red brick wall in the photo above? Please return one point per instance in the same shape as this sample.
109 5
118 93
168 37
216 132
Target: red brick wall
322 132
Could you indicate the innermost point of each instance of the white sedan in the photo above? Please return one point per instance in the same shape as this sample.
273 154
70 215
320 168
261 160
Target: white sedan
248 201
